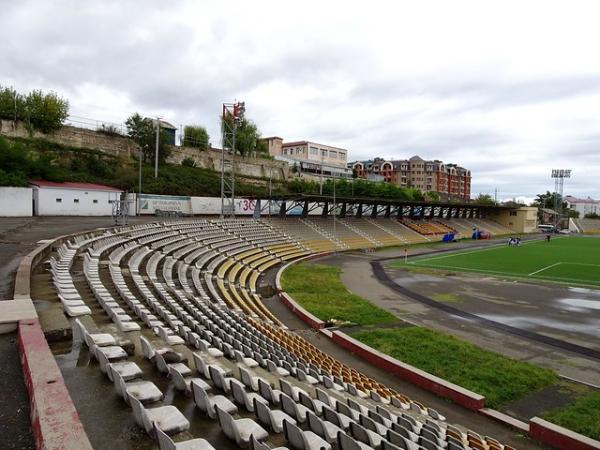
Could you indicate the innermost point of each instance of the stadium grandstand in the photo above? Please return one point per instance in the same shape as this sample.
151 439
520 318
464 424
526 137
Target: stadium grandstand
171 316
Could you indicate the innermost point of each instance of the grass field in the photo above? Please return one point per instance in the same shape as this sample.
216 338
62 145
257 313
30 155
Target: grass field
565 259
318 289
499 378
583 416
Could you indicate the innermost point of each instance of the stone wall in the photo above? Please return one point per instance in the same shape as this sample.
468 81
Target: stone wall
123 146
75 137
252 167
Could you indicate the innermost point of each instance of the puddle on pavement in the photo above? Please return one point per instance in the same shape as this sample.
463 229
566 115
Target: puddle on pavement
588 327
579 304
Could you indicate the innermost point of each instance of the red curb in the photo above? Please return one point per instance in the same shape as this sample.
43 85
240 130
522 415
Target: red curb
560 437
54 419
303 314
438 386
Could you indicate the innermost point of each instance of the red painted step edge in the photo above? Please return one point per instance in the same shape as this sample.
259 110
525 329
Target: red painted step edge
54 419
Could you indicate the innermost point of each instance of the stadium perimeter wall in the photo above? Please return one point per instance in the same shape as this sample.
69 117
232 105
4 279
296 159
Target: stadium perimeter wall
16 202
537 428
55 422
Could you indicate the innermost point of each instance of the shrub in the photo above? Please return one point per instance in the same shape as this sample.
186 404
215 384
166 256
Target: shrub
188 161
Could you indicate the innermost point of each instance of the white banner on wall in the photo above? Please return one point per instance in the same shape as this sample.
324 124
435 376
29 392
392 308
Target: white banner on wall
211 206
150 204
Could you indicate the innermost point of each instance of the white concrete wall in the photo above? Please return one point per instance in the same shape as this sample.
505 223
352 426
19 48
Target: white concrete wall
16 202
73 202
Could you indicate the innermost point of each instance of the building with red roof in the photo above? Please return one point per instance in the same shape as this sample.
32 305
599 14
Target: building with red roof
73 199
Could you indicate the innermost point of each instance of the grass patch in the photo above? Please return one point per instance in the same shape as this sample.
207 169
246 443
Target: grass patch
500 379
583 416
318 288
573 260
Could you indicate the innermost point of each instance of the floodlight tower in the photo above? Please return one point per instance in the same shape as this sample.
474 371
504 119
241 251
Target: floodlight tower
559 176
233 114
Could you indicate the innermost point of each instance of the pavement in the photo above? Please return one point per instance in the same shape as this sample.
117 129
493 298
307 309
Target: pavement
20 235
15 425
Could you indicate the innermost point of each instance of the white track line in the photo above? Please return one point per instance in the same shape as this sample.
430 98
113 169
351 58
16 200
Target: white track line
544 268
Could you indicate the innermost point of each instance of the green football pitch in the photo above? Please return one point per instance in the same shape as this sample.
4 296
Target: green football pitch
565 259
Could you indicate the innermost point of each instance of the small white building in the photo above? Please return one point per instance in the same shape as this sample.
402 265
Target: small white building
583 205
73 199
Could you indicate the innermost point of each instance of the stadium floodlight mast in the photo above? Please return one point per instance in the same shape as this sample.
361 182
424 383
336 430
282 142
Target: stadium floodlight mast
559 176
236 111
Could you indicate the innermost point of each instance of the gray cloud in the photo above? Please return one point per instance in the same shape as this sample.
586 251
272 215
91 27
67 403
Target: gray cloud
355 79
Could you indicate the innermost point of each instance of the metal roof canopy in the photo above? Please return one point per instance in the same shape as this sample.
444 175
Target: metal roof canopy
390 207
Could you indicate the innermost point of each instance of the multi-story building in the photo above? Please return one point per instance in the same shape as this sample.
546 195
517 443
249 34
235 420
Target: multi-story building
583 205
448 180
309 157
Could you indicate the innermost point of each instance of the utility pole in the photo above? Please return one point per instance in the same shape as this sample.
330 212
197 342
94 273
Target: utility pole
334 207
270 188
496 196
140 176
156 150
321 181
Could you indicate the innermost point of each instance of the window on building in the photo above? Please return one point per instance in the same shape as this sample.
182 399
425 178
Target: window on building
95 201
513 213
75 200
324 153
314 151
59 200
332 154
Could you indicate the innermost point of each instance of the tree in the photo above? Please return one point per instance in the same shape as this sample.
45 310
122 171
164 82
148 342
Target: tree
548 200
143 131
195 136
247 137
43 112
484 200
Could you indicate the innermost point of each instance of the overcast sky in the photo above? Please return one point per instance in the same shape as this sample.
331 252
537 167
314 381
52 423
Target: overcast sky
509 90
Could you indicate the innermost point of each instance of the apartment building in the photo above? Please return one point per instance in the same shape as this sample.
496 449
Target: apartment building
448 180
310 157
583 205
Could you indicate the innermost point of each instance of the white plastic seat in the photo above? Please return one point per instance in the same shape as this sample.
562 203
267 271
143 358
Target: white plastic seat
127 369
255 445
322 428
184 384
248 379
219 379
303 440
240 430
276 369
207 403
273 396
272 418
144 391
166 443
243 398
112 353
240 358
293 409
212 351
345 442
165 367
167 418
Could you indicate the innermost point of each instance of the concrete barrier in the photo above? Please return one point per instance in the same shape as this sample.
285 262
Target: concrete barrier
438 386
55 422
304 315
559 437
